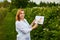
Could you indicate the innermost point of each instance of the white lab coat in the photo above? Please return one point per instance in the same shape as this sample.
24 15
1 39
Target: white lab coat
23 28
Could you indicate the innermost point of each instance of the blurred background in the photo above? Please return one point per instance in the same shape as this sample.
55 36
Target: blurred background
50 9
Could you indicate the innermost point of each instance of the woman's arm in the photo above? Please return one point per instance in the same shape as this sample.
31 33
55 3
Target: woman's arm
21 28
34 25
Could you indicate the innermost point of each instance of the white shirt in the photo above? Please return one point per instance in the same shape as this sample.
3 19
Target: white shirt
23 28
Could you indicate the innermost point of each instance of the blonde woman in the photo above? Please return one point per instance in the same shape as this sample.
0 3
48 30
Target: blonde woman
22 26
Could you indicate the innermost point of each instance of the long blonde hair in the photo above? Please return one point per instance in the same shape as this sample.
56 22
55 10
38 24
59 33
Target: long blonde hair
18 13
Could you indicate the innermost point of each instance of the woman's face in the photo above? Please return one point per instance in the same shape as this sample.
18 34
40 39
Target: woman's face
22 15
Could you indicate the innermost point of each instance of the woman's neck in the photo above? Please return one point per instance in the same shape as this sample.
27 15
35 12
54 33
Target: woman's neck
21 19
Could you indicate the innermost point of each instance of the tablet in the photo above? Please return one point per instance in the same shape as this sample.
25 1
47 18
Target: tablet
39 19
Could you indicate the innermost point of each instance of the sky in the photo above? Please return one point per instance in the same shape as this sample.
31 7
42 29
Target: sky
1 0
38 1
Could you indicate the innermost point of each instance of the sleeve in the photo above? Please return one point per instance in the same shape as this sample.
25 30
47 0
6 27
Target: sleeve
22 29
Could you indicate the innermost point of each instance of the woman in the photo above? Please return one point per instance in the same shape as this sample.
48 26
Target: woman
22 26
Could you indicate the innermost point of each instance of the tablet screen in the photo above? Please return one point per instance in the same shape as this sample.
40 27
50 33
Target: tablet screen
39 19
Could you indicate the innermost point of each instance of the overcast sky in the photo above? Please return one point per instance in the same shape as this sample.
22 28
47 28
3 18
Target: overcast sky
38 1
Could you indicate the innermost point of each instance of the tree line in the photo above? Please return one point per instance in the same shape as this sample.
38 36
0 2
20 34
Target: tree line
25 4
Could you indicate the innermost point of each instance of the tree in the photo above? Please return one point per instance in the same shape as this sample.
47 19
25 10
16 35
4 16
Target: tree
19 3
31 4
4 4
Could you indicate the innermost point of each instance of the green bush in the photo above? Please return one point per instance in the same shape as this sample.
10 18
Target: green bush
3 13
50 30
51 23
